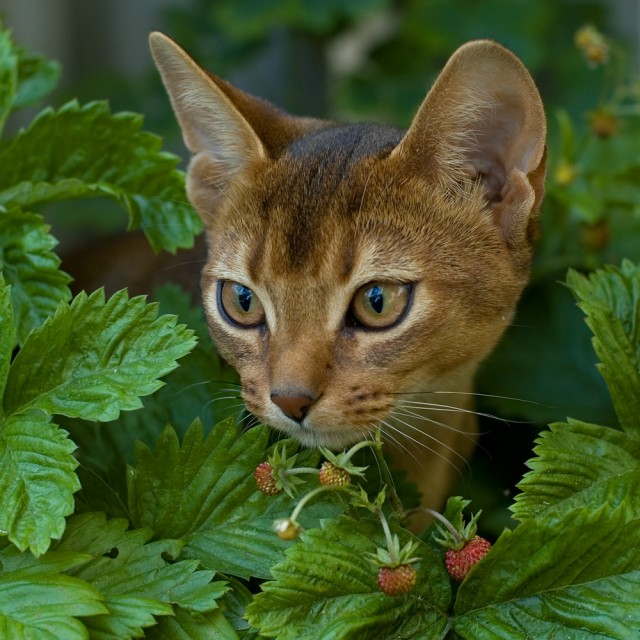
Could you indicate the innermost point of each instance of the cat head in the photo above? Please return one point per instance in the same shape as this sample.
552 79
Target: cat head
351 264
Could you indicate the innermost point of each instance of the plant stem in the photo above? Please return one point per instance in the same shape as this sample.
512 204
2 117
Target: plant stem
394 500
454 532
313 493
387 534
357 447
301 470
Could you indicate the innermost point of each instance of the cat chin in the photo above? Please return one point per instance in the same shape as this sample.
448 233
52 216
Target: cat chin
335 440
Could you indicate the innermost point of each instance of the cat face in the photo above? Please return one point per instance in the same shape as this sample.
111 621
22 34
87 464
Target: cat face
352 265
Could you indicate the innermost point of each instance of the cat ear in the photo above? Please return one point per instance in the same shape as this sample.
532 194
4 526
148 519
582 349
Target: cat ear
483 120
218 119
210 121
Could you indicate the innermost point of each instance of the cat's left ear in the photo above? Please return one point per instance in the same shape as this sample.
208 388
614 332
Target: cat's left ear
228 132
483 120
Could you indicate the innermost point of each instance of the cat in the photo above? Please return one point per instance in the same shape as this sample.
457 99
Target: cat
358 274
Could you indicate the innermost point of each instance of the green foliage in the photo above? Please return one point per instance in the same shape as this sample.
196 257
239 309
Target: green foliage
170 538
74 152
326 589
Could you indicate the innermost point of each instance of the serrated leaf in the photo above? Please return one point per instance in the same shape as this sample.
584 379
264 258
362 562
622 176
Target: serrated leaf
37 480
573 463
8 75
201 387
193 626
570 573
87 151
325 589
135 576
40 602
610 298
204 493
94 359
7 333
31 268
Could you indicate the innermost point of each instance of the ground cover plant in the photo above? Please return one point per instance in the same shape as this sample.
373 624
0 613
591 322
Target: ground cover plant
120 520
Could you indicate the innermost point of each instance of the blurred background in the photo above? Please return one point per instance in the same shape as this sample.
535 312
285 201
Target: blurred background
342 58
375 59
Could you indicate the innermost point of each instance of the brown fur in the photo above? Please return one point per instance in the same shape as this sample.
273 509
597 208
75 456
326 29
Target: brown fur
305 212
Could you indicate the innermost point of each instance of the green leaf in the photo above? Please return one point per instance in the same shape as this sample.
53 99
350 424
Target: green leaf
136 578
234 605
201 387
32 268
87 151
94 359
37 480
7 334
8 75
40 602
204 493
571 573
573 463
610 298
37 77
193 626
326 589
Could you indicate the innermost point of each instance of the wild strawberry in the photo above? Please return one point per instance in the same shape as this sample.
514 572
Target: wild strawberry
337 469
464 547
397 581
263 475
396 573
287 529
458 562
333 476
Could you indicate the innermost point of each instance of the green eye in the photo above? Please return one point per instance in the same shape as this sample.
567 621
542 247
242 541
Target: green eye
380 304
240 304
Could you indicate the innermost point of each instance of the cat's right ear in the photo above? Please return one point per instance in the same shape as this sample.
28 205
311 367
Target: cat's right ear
211 123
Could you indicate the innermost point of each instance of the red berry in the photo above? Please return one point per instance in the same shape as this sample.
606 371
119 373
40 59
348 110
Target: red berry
333 476
459 561
264 479
397 581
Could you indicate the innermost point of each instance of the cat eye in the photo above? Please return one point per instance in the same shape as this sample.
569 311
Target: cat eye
378 305
239 304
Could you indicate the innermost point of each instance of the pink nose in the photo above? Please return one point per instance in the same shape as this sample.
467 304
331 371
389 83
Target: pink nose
295 407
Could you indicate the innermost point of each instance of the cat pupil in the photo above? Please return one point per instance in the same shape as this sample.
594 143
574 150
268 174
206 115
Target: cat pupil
244 297
376 299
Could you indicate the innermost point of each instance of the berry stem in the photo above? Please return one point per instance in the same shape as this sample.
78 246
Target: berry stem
296 471
387 534
454 532
356 447
394 500
313 493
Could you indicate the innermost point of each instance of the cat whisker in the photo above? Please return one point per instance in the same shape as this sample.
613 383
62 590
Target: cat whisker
419 459
471 393
389 431
465 434
433 438
416 404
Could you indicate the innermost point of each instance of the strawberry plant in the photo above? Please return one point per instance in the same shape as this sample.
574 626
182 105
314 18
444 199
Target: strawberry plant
204 529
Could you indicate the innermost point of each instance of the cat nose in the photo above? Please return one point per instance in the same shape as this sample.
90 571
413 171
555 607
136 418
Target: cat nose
295 407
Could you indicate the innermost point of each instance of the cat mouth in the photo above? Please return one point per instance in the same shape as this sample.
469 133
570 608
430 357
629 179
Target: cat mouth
313 436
